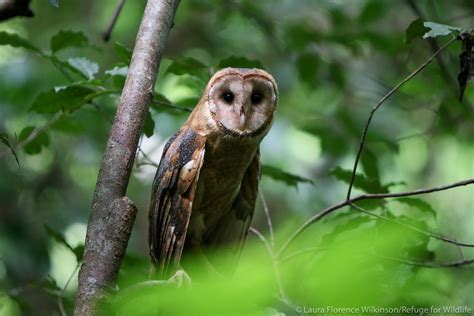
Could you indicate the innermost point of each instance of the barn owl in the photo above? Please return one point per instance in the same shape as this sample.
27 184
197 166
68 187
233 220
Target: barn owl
206 185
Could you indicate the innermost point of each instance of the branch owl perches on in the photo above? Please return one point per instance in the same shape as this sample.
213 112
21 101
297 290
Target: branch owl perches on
206 185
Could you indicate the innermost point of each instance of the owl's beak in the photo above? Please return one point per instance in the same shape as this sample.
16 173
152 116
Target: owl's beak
242 119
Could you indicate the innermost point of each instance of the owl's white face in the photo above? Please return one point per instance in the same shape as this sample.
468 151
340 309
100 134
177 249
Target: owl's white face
242 101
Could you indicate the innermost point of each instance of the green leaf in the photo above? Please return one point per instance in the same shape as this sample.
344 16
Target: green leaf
372 11
437 29
419 204
160 101
360 181
370 164
187 66
196 82
70 125
123 52
348 224
4 139
68 99
307 65
160 98
36 145
78 252
279 175
416 29
65 66
50 284
117 71
420 29
149 127
329 135
87 67
59 237
239 62
337 74
188 103
16 41
64 39
417 246
371 204
163 104
118 75
298 36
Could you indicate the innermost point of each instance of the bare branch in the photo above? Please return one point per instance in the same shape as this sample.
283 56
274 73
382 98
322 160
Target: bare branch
401 260
61 294
147 161
410 193
113 20
112 215
453 264
275 262
361 197
269 219
411 227
377 106
262 238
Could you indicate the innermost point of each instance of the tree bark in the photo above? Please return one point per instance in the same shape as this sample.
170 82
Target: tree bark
112 215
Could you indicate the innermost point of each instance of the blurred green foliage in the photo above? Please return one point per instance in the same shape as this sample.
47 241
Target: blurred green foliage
333 61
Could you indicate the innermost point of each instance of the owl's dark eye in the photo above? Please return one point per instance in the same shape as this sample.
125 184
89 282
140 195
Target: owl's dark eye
228 97
256 98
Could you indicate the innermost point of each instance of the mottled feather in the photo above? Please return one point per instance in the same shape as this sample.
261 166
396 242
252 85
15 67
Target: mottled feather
174 188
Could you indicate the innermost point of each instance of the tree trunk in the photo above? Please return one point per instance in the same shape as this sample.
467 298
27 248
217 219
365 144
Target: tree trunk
113 214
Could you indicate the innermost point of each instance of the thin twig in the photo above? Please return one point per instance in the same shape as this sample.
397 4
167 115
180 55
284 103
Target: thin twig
145 163
361 197
60 296
138 151
262 238
275 262
172 106
149 161
377 106
113 20
269 219
459 263
303 251
430 264
411 227
61 70
36 131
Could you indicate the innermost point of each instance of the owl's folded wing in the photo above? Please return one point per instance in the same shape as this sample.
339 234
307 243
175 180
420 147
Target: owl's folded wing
173 193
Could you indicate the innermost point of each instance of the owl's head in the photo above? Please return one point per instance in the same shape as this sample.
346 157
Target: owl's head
242 101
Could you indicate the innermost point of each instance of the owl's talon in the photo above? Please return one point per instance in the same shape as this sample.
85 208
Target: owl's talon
181 278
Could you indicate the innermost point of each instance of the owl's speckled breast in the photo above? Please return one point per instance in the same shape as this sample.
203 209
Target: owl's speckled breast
226 161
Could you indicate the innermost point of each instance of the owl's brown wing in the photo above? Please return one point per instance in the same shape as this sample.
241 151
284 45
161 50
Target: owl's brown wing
173 193
231 231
